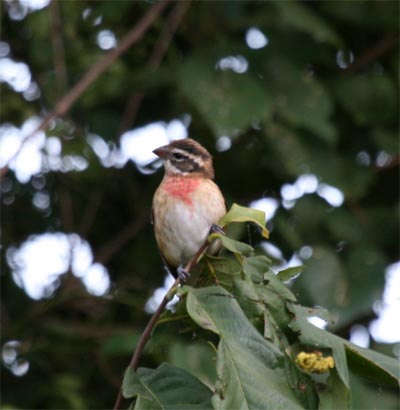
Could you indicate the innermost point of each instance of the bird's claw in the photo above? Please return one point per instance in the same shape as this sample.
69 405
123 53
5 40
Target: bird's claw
216 229
183 274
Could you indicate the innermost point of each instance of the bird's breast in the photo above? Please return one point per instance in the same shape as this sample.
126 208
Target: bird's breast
181 188
184 210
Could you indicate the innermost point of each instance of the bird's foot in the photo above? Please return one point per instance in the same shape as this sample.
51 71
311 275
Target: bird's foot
183 274
216 229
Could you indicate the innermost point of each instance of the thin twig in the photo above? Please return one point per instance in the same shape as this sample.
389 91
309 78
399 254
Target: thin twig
159 51
66 209
153 321
373 53
65 103
123 236
89 215
58 48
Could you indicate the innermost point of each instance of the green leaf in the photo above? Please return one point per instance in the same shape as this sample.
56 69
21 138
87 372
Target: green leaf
166 387
300 99
367 396
247 383
119 343
239 213
275 304
335 395
372 365
363 16
219 96
224 269
250 368
290 273
196 357
323 278
301 17
248 299
385 140
306 390
370 100
288 147
278 287
365 272
232 245
131 385
255 267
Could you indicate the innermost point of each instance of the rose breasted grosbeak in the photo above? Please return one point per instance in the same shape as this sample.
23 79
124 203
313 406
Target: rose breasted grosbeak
187 204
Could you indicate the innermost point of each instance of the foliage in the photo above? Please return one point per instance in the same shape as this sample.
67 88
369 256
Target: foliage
262 332
315 107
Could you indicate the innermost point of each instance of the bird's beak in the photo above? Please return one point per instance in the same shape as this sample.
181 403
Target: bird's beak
161 152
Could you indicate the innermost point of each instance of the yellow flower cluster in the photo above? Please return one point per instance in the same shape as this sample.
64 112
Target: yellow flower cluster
315 362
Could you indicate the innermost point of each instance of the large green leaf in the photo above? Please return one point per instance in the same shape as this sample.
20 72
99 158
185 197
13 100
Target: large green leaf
385 140
334 396
370 100
219 96
224 269
198 358
365 273
372 365
300 99
250 368
247 383
286 145
239 213
368 396
166 387
256 267
301 17
364 15
323 281
270 279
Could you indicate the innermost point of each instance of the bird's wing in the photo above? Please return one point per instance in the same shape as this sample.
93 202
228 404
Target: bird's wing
166 265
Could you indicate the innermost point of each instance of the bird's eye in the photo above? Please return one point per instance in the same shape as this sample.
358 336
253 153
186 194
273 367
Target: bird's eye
178 156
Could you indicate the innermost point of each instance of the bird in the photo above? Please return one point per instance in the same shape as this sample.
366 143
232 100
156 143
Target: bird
187 204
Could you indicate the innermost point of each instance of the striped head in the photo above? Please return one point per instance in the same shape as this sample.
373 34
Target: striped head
186 157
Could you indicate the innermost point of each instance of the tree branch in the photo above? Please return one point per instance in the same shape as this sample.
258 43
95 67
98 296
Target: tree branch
66 209
58 48
153 321
372 53
159 51
65 103
108 250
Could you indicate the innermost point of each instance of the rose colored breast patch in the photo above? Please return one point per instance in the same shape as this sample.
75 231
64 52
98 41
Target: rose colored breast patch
181 187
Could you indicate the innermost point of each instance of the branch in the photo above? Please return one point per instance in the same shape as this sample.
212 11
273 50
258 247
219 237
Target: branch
122 237
372 54
90 212
95 71
58 48
159 51
150 326
66 210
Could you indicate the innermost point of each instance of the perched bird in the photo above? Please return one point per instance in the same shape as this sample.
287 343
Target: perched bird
187 205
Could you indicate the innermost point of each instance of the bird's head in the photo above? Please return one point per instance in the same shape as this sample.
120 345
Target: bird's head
186 157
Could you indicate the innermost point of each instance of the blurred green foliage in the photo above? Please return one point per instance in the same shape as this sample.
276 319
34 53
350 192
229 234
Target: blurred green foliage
321 97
